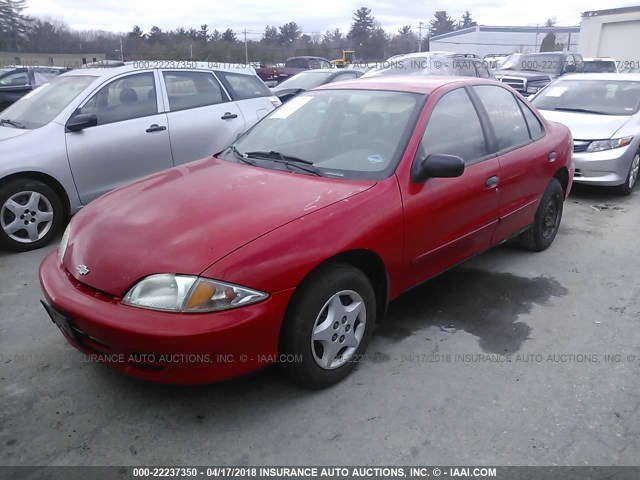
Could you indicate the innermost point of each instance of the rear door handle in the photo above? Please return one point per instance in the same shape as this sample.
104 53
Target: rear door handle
552 156
492 181
228 116
156 128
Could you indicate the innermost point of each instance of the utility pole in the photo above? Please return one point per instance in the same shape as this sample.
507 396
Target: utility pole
191 51
420 36
246 51
121 52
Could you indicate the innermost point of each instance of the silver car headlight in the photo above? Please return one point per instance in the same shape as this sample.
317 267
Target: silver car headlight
600 145
62 249
190 294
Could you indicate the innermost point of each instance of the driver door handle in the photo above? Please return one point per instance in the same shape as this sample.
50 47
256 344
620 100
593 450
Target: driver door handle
492 181
228 116
156 128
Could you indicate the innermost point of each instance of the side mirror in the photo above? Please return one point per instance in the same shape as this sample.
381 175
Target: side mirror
439 165
81 121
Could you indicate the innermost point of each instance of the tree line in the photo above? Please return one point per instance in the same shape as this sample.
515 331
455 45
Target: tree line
21 33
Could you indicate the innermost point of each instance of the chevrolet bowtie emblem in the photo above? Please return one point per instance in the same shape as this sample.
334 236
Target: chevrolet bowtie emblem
82 270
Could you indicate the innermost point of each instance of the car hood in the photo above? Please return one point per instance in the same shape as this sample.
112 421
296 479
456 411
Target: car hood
10 132
185 219
588 126
529 76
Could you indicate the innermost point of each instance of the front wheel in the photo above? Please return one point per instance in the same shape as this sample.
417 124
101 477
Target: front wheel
328 326
627 187
31 214
540 235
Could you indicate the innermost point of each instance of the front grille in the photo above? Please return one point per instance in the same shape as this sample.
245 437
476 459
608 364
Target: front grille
580 145
517 83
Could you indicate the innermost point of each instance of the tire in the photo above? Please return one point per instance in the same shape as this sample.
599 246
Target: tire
540 235
327 356
34 207
627 187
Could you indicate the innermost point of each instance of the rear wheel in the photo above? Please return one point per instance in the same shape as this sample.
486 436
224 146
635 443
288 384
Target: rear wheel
627 187
540 235
31 214
328 326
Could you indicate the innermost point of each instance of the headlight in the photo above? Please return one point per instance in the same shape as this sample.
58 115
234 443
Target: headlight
184 293
533 89
62 249
600 145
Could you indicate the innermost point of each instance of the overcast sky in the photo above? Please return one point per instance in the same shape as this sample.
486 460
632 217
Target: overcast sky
312 16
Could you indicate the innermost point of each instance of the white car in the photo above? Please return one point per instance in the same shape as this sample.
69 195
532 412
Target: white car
91 130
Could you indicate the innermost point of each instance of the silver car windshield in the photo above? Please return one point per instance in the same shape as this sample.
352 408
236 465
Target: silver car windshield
304 80
605 97
333 133
43 104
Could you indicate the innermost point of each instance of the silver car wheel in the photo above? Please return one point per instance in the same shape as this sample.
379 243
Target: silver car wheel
26 217
338 329
635 168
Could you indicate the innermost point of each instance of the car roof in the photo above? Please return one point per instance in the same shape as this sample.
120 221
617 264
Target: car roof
108 71
424 84
598 59
607 77
307 57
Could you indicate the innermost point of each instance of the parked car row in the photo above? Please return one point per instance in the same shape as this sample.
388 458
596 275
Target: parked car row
17 82
305 214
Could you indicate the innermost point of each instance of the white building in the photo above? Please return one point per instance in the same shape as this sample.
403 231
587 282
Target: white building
484 40
612 33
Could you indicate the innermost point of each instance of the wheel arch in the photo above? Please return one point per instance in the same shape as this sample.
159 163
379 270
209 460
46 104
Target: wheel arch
562 175
46 179
368 262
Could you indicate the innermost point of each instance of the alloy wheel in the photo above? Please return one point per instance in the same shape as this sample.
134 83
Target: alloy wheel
26 217
338 329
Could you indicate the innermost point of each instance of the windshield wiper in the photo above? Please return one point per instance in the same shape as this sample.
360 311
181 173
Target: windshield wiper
277 155
288 160
11 122
240 156
580 110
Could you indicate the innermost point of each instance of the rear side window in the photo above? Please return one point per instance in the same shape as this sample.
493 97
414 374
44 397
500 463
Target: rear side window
454 129
483 70
464 67
192 90
242 87
505 115
535 127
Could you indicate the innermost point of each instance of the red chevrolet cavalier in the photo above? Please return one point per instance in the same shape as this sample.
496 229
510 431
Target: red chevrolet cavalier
288 245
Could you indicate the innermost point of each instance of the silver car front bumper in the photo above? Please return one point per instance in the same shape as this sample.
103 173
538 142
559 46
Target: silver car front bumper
606 168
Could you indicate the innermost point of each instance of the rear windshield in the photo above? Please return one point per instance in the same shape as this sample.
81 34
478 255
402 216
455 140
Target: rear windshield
599 66
242 87
297 63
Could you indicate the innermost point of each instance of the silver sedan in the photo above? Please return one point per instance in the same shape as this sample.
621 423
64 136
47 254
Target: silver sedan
601 110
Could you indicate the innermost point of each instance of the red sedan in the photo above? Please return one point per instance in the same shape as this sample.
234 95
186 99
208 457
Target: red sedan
287 246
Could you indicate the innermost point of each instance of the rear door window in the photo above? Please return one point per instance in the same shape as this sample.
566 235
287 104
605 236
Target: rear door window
187 90
506 117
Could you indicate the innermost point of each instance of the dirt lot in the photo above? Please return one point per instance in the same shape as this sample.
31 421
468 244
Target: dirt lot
439 389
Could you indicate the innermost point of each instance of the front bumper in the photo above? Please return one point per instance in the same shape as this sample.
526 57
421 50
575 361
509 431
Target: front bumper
606 168
163 346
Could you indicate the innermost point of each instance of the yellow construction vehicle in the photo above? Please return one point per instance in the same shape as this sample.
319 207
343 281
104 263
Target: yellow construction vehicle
347 58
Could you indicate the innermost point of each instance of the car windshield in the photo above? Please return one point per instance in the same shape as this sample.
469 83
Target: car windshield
297 63
333 133
43 104
304 81
599 66
14 79
427 65
550 63
606 97
511 62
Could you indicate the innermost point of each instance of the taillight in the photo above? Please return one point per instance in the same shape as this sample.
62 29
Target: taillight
275 101
275 72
